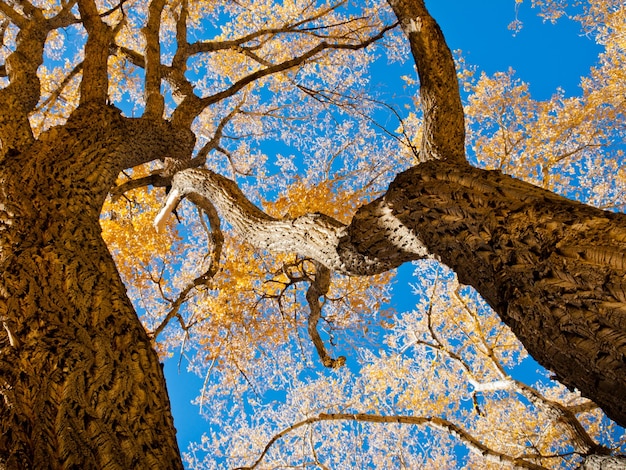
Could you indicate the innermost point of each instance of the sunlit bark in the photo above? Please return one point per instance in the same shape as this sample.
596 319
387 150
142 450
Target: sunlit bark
81 385
553 269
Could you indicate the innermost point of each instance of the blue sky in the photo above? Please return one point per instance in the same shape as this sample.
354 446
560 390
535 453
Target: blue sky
546 56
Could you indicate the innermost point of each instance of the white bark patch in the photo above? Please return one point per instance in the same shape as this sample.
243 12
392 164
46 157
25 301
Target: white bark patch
492 386
414 25
173 198
399 235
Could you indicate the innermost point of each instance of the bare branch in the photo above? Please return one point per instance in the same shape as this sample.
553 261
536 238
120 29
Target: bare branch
473 444
319 287
54 95
192 106
214 143
217 242
213 46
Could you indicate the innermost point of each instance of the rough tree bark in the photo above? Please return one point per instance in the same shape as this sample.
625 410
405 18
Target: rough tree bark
554 270
80 382
81 386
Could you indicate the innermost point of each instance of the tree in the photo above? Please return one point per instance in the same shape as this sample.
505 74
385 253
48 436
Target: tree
81 383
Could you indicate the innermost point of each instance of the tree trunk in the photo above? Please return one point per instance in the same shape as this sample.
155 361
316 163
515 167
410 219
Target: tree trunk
81 386
553 269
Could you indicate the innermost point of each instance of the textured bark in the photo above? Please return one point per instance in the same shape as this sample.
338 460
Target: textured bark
553 269
81 386
384 242
443 126
603 462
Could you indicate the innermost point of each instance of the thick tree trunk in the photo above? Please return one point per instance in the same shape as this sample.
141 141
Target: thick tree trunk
81 386
553 269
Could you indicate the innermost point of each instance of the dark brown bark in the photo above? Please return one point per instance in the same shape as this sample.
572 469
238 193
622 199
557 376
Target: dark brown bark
443 126
81 386
553 269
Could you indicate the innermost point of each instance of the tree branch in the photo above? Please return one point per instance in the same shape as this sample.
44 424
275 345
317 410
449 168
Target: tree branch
94 86
217 242
473 444
192 106
317 288
154 100
20 97
385 243
444 121
213 46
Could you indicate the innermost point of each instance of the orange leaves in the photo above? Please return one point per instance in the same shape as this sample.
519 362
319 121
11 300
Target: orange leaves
301 198
144 257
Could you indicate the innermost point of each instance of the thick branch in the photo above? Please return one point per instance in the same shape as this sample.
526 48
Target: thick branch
444 124
94 86
315 236
473 444
149 140
20 97
154 100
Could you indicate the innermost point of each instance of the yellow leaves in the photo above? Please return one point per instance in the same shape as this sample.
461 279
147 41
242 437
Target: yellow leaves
301 198
562 143
137 247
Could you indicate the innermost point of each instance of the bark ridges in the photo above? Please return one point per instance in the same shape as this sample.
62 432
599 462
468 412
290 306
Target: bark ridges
552 268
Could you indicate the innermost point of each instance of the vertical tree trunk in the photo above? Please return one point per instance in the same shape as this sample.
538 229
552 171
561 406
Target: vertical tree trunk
553 269
81 386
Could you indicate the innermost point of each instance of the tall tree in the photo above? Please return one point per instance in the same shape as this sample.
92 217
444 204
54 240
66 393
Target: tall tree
81 384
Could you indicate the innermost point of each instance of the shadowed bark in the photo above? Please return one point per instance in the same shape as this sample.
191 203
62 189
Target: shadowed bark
553 269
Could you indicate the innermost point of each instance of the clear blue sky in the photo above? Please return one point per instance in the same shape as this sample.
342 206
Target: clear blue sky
546 56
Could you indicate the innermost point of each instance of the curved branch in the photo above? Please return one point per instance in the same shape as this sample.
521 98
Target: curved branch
473 444
444 121
318 288
383 243
16 18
